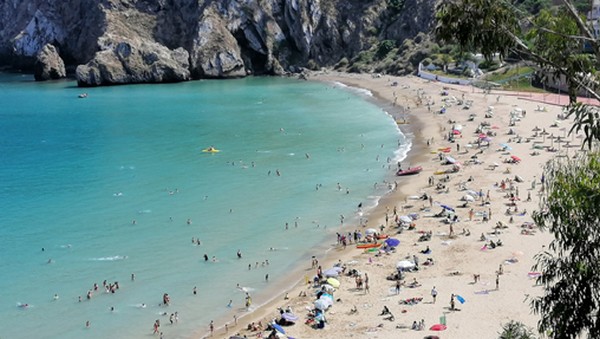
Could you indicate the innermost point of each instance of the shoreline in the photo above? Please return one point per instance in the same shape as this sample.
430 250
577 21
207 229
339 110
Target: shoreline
262 311
414 156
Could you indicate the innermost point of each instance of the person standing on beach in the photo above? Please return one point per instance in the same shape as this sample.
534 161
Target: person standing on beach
212 327
397 286
497 281
434 294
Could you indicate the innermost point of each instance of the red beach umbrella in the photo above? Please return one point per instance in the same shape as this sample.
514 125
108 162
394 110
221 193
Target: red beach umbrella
438 327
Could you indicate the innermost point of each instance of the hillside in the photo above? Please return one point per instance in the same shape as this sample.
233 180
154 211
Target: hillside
133 41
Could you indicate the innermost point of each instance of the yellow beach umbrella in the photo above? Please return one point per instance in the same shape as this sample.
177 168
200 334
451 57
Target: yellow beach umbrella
333 282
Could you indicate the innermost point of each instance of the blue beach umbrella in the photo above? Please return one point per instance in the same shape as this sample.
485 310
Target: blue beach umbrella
392 242
278 328
289 317
506 147
331 272
460 299
446 207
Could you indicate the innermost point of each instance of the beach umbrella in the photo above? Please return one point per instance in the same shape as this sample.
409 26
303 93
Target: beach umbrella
468 198
515 158
320 317
392 242
482 135
331 273
323 303
438 327
278 328
455 132
290 317
328 288
473 193
446 207
486 139
405 218
327 296
405 264
506 147
333 282
450 160
460 299
370 231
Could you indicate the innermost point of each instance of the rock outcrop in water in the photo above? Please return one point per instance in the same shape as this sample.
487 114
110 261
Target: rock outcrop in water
132 41
48 64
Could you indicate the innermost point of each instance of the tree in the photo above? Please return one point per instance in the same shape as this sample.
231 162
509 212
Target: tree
570 210
494 27
516 330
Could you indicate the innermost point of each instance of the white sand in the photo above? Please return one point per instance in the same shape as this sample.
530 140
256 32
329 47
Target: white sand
486 308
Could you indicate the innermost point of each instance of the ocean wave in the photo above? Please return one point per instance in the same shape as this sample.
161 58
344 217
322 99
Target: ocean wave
113 258
359 90
402 152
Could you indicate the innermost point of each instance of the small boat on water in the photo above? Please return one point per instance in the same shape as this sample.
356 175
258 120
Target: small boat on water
410 171
211 150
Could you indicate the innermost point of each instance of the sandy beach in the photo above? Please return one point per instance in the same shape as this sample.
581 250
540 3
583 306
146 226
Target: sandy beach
498 149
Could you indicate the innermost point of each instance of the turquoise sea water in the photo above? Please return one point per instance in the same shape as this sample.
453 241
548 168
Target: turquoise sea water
99 188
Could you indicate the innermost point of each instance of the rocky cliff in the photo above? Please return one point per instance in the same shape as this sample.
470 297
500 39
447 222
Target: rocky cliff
133 41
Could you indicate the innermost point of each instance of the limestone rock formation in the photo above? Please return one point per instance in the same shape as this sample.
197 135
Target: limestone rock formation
48 64
141 62
132 41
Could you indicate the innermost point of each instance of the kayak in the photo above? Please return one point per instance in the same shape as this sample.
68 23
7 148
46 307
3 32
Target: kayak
370 245
410 171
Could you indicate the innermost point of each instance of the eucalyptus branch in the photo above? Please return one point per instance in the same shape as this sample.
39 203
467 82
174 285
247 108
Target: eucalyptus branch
582 25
